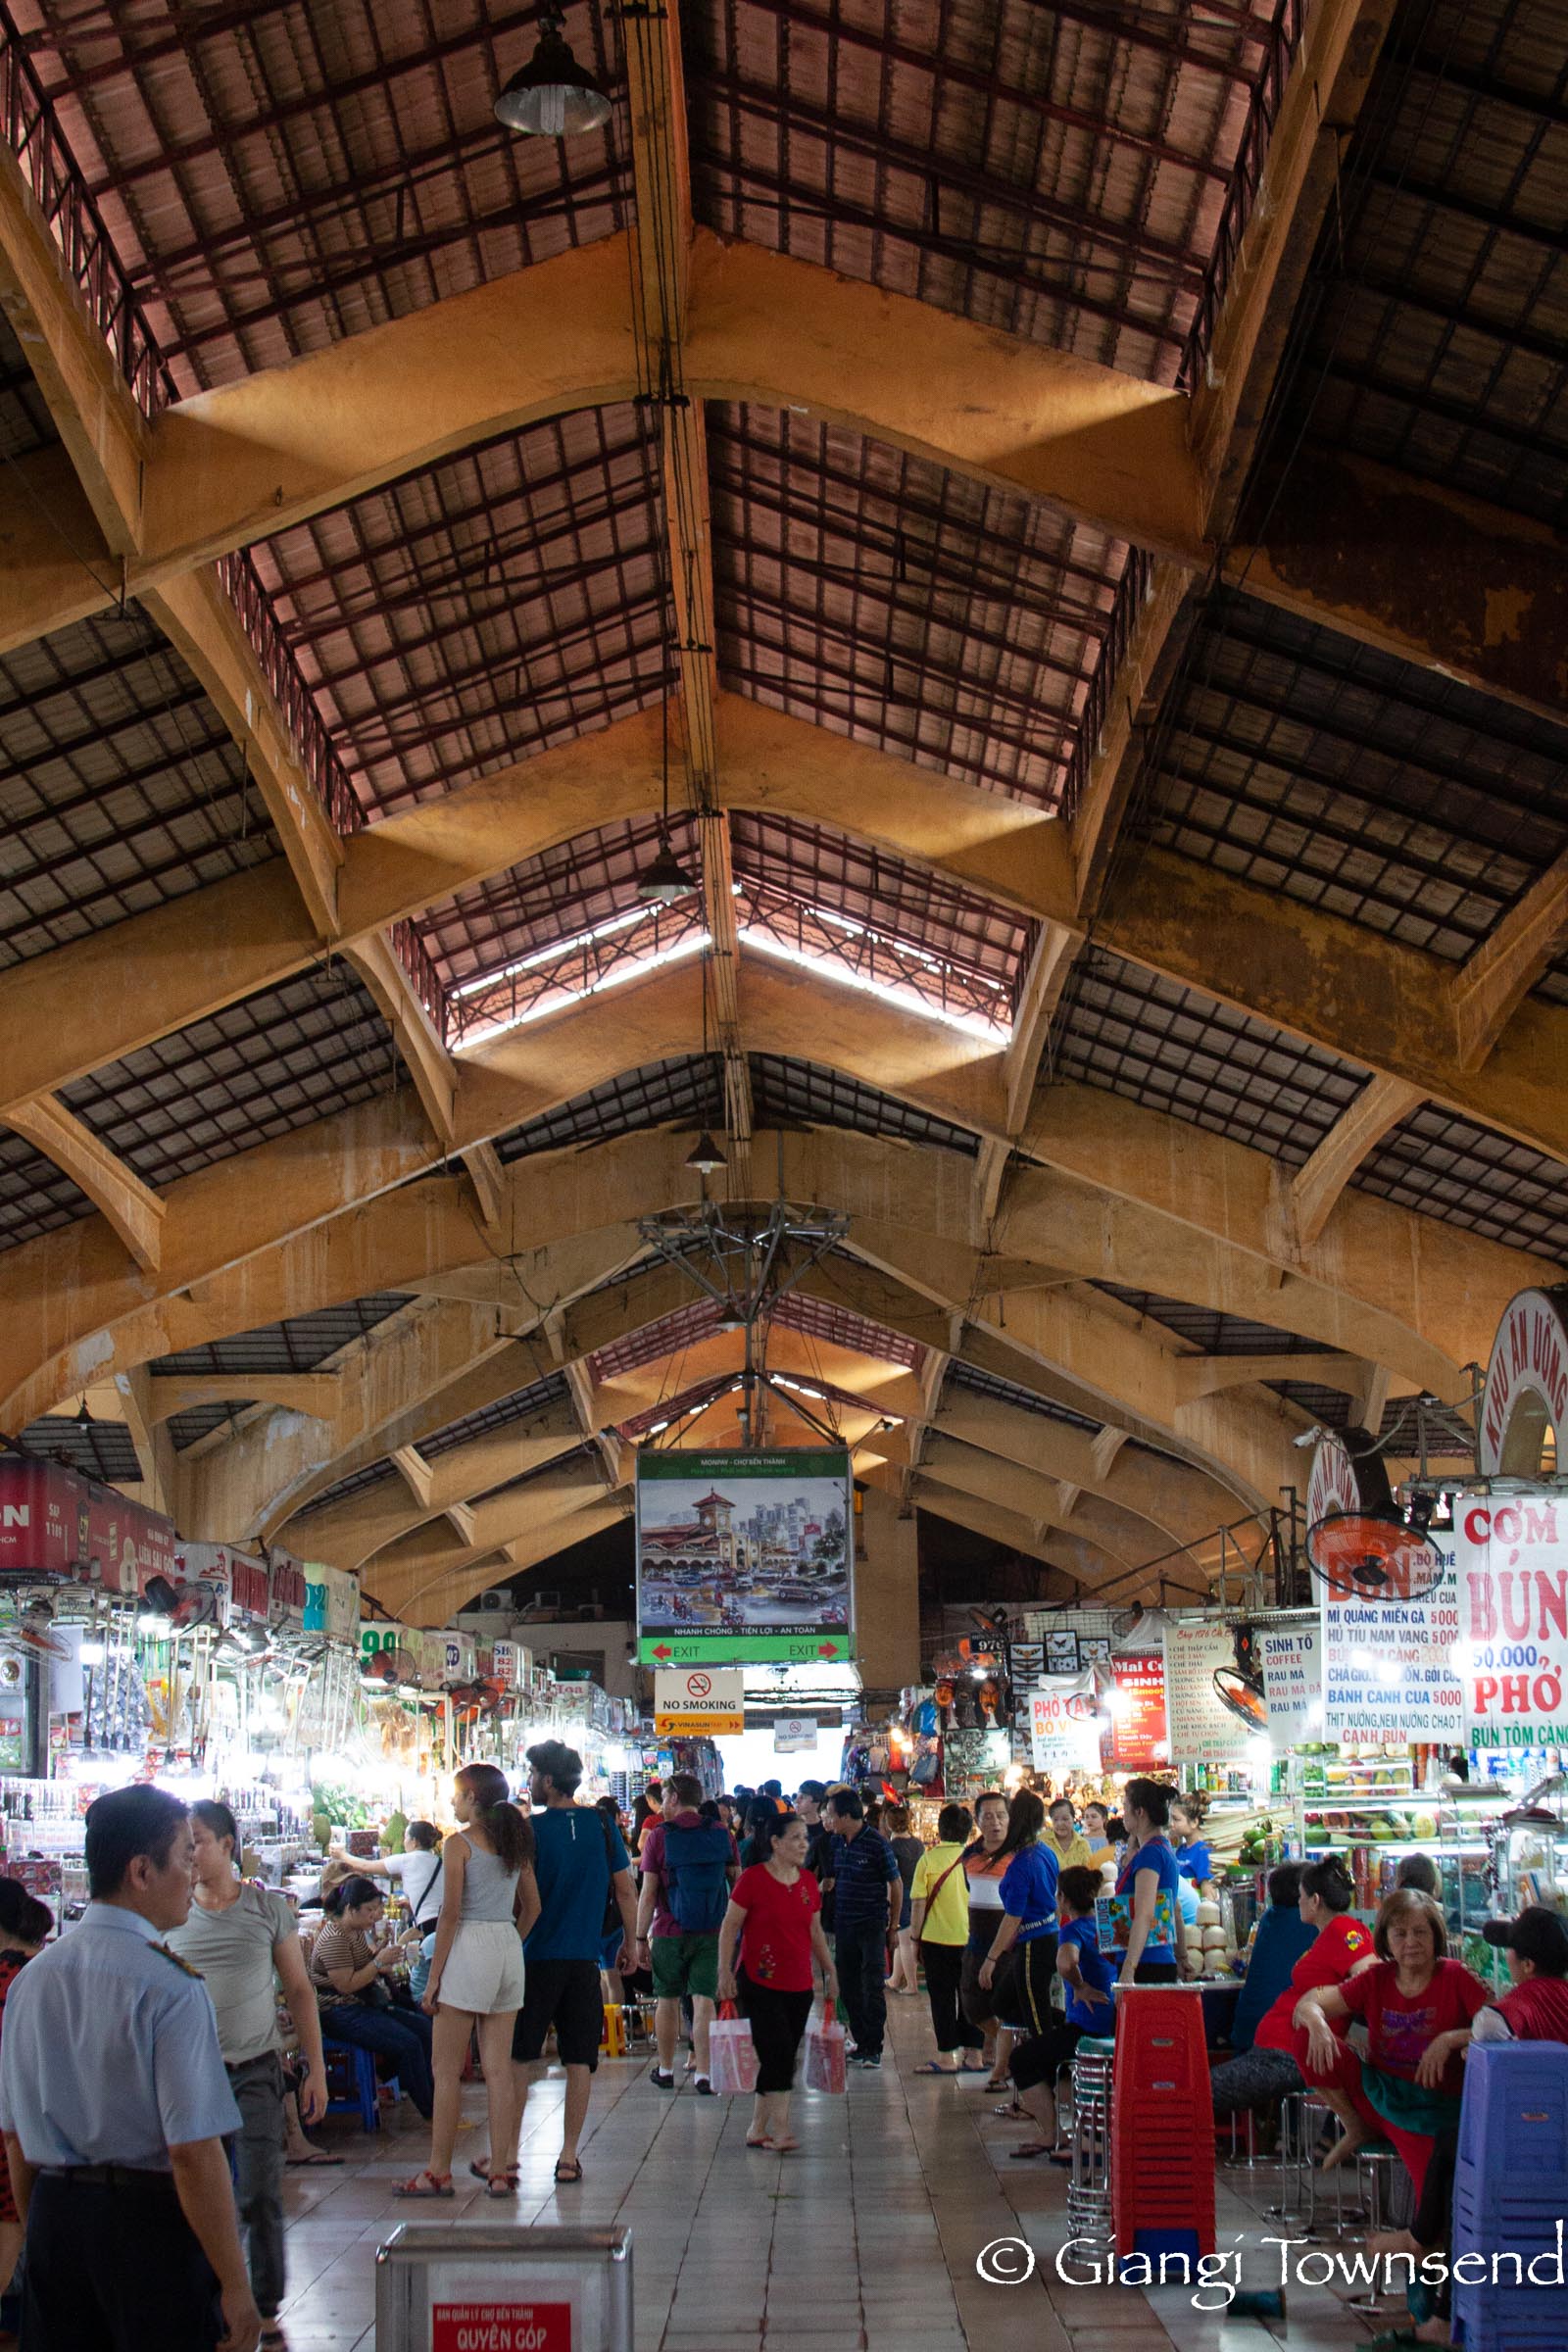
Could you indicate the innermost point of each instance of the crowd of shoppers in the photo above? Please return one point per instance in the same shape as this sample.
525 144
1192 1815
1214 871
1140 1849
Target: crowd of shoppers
142 2089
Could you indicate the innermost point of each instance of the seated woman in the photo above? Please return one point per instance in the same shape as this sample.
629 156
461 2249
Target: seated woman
1277 2061
1088 1977
1417 2004
1284 1936
349 1975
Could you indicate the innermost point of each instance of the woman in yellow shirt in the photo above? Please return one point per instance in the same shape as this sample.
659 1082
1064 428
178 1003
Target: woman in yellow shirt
1061 1835
938 1920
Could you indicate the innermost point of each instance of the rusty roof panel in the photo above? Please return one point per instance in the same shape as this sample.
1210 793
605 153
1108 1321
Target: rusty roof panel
1448 1168
278 177
547 901
261 1067
1306 762
1439 314
1061 172
119 785
1180 1051
904 605
483 608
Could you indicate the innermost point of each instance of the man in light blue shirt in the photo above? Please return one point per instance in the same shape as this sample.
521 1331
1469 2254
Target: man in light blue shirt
115 2103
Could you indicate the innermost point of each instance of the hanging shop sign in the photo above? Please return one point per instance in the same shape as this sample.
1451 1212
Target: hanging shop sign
1292 1656
745 1558
1512 1562
286 1597
1390 1671
503 1664
691 1702
792 1732
1526 1397
1333 1485
1139 1737
331 1602
1202 1728
1064 1724
55 1526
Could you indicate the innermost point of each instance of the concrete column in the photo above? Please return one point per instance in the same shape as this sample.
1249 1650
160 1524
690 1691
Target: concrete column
887 1593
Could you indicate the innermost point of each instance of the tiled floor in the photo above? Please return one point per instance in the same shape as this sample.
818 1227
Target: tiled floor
865 2241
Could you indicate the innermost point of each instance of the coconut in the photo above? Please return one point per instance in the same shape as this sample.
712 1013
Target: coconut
1213 1938
1208 1915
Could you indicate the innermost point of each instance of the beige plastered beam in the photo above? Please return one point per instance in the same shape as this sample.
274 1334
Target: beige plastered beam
130 1208
316 1394
67 1294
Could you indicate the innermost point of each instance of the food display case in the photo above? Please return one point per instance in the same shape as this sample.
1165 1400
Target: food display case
1369 1809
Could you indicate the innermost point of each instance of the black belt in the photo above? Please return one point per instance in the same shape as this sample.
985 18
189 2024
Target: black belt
107 2175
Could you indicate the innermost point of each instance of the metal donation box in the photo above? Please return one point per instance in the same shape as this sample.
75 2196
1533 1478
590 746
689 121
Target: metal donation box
503 2289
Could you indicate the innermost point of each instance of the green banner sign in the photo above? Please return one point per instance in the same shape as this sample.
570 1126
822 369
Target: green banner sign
755 1650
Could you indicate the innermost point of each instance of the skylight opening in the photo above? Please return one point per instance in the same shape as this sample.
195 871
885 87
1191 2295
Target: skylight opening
991 1032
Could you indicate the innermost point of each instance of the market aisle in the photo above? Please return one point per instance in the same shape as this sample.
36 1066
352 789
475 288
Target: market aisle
865 2242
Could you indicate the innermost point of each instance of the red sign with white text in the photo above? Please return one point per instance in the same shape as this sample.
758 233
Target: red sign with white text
501 2327
55 1526
1139 1737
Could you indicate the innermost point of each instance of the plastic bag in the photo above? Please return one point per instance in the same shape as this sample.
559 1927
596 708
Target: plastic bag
732 2054
826 2052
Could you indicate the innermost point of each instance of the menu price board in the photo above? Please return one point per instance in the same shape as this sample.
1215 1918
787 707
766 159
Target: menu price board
1390 1670
1512 1562
1064 1724
1291 1657
1139 1736
1203 1729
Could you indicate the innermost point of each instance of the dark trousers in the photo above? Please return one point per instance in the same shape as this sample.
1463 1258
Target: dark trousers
257 2154
401 2034
861 1952
114 2270
944 1970
1252 2081
778 2021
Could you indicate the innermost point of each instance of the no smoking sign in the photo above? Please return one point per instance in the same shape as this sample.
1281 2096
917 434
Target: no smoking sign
690 1704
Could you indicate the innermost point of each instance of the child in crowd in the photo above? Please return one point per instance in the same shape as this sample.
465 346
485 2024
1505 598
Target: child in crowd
1193 1857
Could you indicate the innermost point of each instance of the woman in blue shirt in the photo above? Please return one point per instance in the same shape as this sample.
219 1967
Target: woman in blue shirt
1193 1857
1088 1977
1148 1870
1028 1919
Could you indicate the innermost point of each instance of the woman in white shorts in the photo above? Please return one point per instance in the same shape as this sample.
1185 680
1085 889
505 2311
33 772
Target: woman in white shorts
488 1902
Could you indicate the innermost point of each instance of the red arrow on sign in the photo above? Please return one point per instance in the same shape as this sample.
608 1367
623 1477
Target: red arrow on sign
663 1652
827 1649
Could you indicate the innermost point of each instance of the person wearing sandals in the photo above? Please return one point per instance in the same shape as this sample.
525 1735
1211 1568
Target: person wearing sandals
776 1919
579 1863
1087 1976
476 1980
939 1923
237 1935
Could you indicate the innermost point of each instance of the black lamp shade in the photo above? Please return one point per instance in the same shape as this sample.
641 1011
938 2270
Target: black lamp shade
552 97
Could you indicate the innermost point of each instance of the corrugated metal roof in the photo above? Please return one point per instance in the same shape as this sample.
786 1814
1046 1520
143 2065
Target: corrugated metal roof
258 1069
1445 1166
1210 1331
479 609
1028 1401
1308 763
299 1344
280 176
120 786
1058 171
35 1196
1178 1051
906 606
95 1448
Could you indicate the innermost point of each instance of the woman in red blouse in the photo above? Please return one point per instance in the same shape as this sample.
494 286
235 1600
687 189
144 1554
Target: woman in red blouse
1417 2004
774 1915
1278 2060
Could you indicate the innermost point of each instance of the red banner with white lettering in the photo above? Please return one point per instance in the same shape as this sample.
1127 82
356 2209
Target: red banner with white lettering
501 2327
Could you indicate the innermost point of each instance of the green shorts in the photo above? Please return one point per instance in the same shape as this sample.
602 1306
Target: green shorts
685 1964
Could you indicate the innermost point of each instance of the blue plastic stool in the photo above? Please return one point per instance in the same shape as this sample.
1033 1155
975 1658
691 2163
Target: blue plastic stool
1510 2185
355 2068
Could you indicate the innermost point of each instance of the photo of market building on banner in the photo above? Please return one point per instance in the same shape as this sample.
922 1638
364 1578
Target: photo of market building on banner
784 1179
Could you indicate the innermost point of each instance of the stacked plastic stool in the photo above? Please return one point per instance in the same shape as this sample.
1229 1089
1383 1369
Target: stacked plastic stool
1163 2124
1510 2187
1088 2180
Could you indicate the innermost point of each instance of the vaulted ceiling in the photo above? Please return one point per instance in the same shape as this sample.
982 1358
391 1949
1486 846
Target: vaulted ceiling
1054 513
